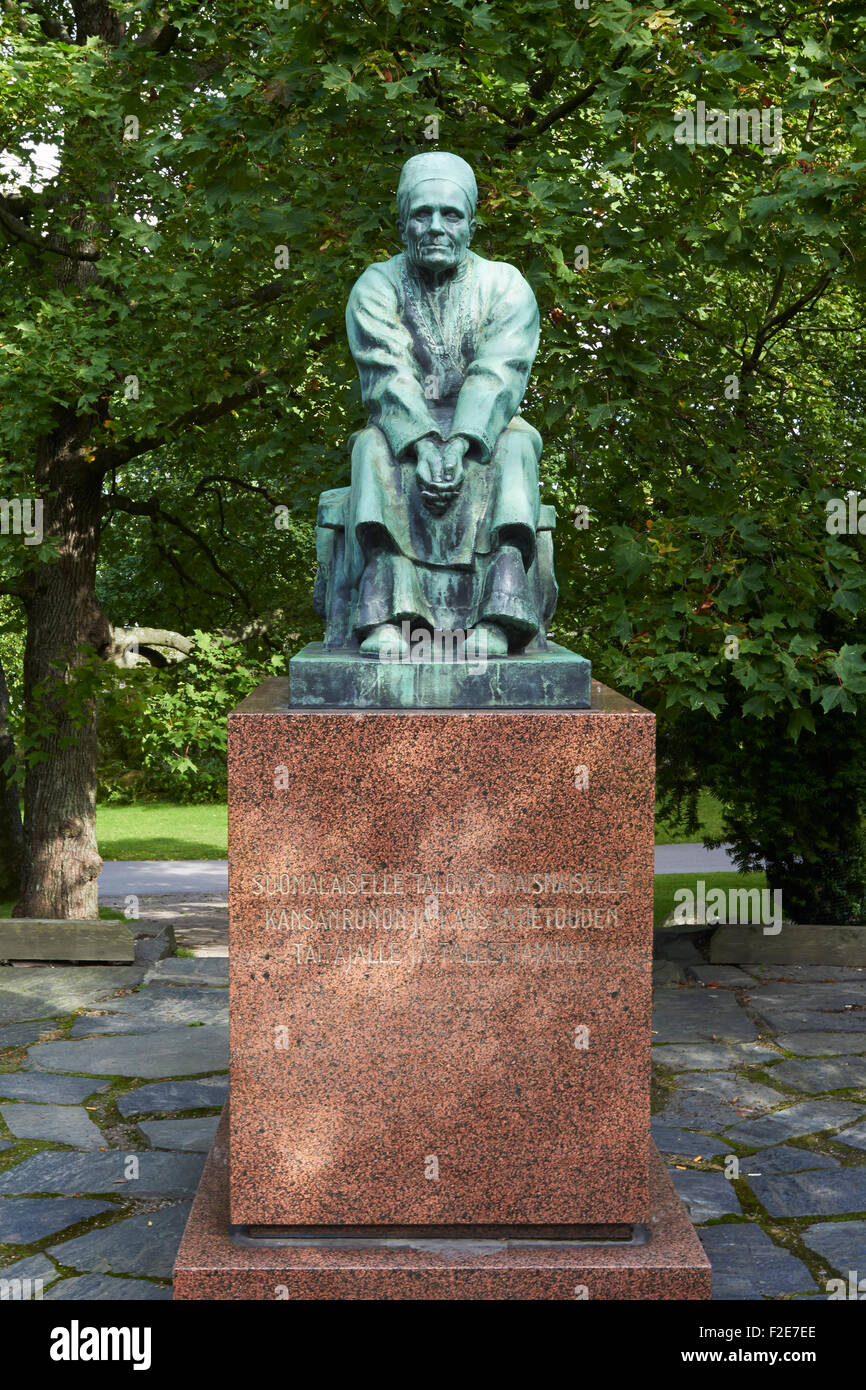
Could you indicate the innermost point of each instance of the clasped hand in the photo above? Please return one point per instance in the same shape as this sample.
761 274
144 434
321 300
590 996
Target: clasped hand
440 471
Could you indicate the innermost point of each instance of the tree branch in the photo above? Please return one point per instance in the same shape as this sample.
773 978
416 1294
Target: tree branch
122 638
564 109
51 26
157 37
265 294
776 293
808 298
14 227
172 560
154 510
772 327
115 455
209 478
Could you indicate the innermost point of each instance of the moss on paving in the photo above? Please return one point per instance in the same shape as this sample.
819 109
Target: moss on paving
786 1233
663 1084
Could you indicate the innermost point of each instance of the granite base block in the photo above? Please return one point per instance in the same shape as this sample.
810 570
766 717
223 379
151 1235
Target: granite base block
552 679
665 1262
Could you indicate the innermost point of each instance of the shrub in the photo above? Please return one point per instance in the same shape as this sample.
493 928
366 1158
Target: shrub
163 732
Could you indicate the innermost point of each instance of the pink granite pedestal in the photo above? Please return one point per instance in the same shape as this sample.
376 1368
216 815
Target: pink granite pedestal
440 969
664 1261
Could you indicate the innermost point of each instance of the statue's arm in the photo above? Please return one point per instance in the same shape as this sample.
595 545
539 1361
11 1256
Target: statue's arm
496 380
382 349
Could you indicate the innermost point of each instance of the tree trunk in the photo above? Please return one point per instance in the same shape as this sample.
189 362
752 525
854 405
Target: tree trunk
64 626
11 833
64 622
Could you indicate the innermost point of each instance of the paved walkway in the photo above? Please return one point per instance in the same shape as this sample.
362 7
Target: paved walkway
150 876
111 1079
693 859
146 876
199 921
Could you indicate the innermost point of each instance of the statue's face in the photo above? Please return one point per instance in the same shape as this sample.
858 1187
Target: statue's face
436 227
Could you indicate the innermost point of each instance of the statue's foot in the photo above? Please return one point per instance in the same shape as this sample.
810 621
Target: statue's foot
486 639
386 642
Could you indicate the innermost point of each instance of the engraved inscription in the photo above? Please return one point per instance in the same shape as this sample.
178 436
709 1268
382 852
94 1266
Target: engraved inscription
359 918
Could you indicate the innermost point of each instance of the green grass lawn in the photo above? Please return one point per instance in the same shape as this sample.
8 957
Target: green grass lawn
709 817
667 884
161 830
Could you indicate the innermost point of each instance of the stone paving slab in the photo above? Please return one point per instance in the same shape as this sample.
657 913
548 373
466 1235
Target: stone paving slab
806 1117
788 1020
714 1100
163 997
155 1008
21 1034
701 1016
25 1220
812 1194
681 1141
99 1287
722 976
712 1056
170 1052
48 1088
834 1007
165 1096
817 1074
153 947
667 975
200 970
33 1267
200 920
187 1136
707 1196
820 1044
854 1137
841 1243
785 1158
802 974
142 929
143 1244
158 1174
64 1124
833 995
31 993
748 1265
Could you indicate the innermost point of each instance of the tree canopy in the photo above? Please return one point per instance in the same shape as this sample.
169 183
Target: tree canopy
174 364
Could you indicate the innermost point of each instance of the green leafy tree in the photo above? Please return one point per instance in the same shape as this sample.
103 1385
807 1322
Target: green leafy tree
174 301
163 732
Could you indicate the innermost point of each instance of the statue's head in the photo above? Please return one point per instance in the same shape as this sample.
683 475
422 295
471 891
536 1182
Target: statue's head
436 199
